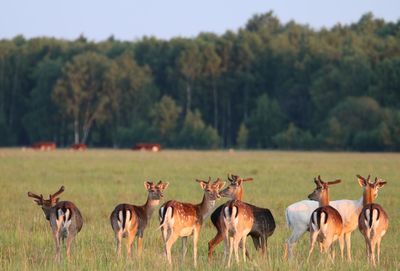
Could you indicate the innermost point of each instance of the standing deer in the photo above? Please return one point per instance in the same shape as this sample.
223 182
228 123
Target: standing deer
130 220
263 226
326 224
238 221
373 221
64 217
185 219
298 218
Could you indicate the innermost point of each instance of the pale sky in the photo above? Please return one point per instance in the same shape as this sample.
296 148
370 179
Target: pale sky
165 19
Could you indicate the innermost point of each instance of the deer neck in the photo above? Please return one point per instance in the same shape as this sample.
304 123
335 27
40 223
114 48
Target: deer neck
150 206
367 197
239 194
324 200
206 206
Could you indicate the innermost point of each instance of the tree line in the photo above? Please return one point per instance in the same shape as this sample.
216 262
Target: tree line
266 85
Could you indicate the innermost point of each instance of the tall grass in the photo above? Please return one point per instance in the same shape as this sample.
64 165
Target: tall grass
97 180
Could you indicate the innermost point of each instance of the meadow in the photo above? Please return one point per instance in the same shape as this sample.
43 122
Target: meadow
97 180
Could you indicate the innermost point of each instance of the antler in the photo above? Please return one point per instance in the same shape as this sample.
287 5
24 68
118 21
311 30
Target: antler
58 192
247 180
38 199
334 182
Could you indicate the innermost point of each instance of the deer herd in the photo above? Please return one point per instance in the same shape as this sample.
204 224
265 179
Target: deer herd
326 221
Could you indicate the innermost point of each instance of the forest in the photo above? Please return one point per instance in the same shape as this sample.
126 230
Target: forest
267 85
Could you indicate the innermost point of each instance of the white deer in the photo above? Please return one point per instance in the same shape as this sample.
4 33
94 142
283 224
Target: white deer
298 219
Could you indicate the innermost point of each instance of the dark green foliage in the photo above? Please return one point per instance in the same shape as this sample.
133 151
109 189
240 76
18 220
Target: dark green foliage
266 85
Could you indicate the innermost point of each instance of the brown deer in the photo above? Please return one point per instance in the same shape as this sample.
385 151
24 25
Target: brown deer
238 221
64 217
326 224
263 226
130 220
185 219
373 221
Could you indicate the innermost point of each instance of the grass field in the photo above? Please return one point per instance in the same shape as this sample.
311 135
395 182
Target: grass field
97 180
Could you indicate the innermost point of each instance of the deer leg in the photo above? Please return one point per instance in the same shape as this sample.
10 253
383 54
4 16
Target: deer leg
58 245
184 247
129 241
348 245
213 243
236 242
70 239
244 247
378 252
313 239
230 250
196 234
341 246
291 242
118 239
139 245
373 244
168 244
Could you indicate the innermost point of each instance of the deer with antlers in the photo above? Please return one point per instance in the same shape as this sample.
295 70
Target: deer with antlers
185 219
64 217
263 226
130 220
373 221
326 224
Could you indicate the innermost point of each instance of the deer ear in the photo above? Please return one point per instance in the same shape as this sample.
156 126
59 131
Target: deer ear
203 184
221 184
165 185
361 181
147 185
381 184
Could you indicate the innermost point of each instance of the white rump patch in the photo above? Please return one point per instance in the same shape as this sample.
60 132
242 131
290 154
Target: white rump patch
314 224
128 219
375 219
324 226
120 218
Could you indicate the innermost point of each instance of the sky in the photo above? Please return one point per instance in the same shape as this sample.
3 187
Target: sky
132 19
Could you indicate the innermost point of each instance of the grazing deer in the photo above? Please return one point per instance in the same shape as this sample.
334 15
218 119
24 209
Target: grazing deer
130 220
298 218
373 221
238 221
263 226
185 219
326 224
64 217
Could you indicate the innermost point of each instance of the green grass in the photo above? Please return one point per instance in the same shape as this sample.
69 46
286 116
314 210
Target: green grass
97 180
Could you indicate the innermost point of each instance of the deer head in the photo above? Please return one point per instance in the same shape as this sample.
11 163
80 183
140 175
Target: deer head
47 204
211 189
156 190
321 190
370 188
235 189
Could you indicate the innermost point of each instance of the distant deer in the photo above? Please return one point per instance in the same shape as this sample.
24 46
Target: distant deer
185 219
326 224
298 218
263 226
64 217
130 220
373 221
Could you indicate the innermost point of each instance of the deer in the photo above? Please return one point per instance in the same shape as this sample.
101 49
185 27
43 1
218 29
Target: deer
326 223
263 226
373 221
238 221
64 217
299 213
179 219
130 221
